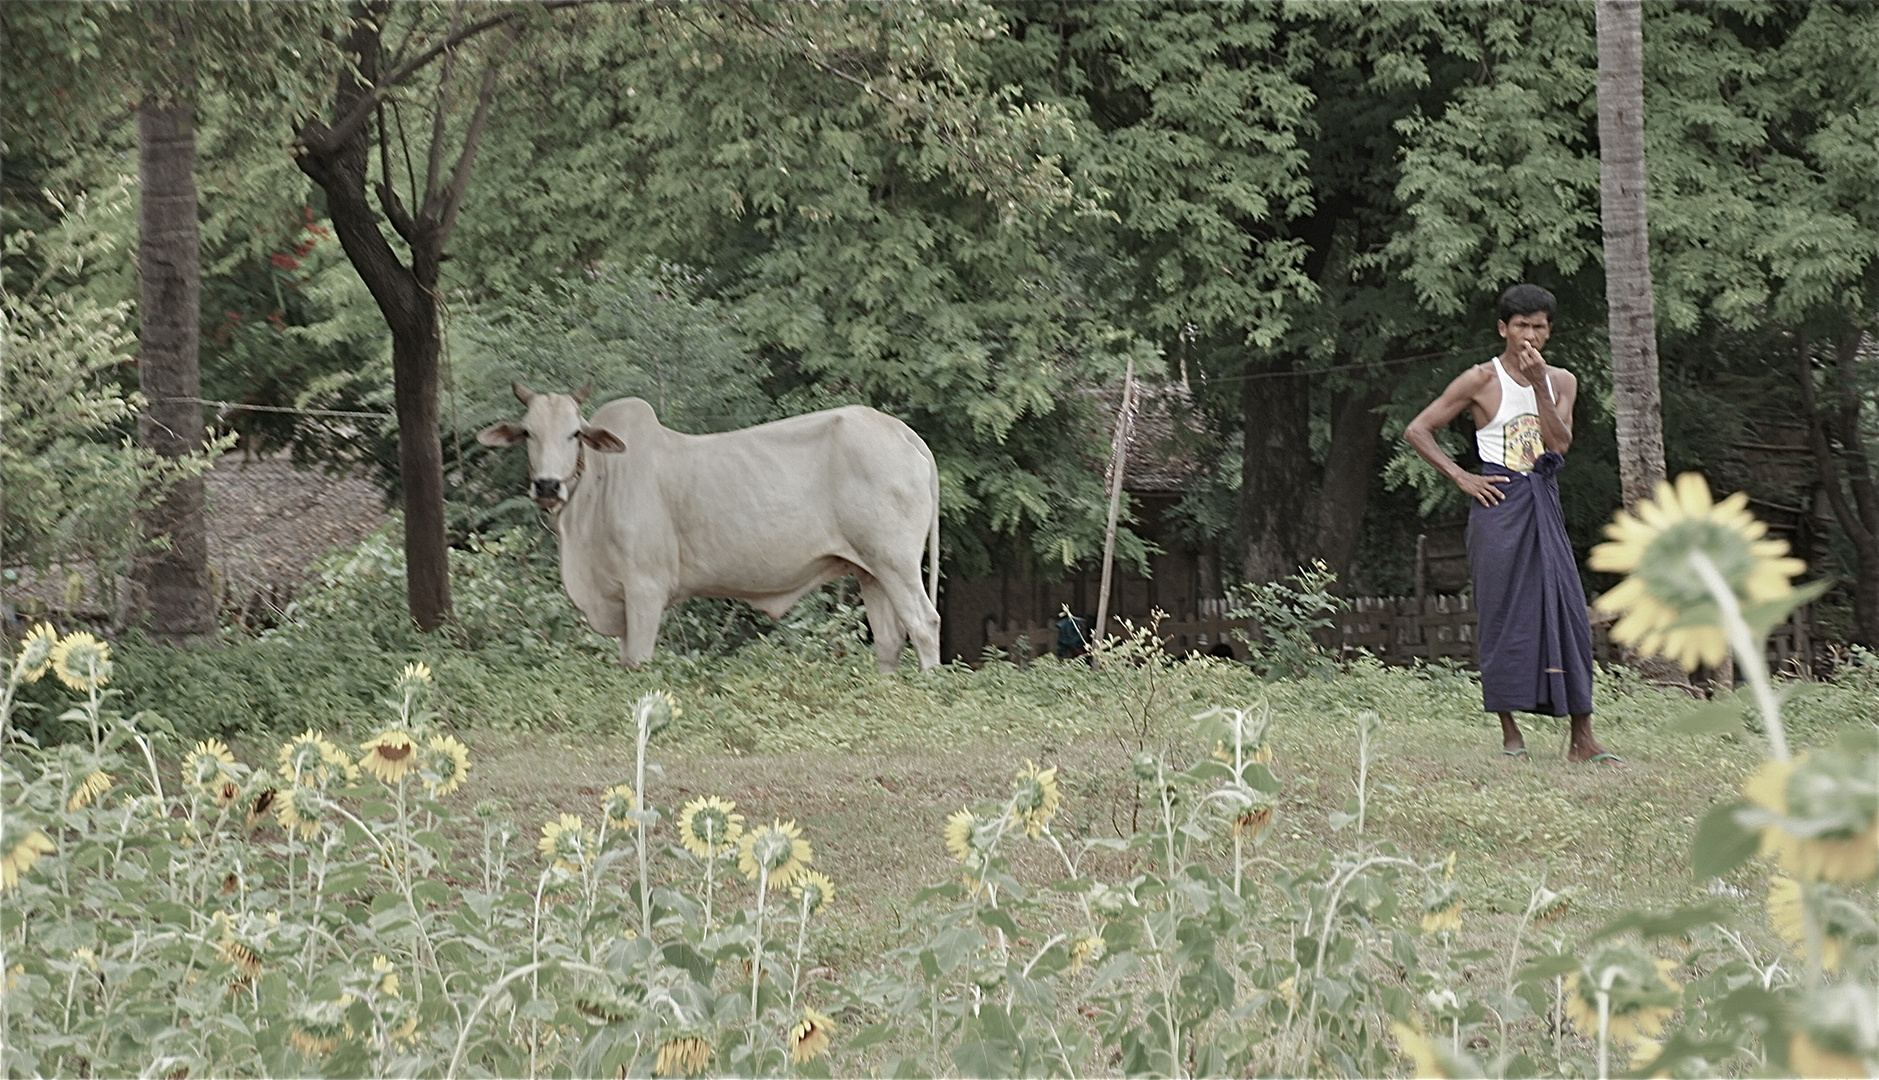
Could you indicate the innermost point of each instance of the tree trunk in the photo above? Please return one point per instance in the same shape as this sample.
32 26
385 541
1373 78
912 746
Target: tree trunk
1627 248
337 158
1846 469
1356 427
170 591
1276 476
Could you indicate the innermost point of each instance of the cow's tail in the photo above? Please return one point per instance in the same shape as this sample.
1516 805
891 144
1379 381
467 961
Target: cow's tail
932 543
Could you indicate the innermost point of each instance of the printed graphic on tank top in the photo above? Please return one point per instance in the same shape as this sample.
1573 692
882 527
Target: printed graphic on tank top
1512 438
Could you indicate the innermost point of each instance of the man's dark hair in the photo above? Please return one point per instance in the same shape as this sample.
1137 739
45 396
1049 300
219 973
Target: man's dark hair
1528 300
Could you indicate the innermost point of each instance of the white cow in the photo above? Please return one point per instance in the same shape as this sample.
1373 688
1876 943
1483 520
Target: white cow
648 516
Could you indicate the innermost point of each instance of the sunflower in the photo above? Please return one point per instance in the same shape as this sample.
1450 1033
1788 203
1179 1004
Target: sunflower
1664 589
21 855
1446 918
1253 820
82 662
407 1032
1087 950
810 1038
89 789
389 755
1288 989
685 1056
961 832
709 827
778 848
1036 799
301 811
569 842
1808 1058
319 1025
208 765
236 952
313 1045
1441 904
1826 827
227 791
387 978
1787 914
1416 1046
616 806
1642 995
1549 905
442 765
414 677
35 653
311 758
812 890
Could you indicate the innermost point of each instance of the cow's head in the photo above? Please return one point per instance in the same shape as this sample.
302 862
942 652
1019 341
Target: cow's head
555 433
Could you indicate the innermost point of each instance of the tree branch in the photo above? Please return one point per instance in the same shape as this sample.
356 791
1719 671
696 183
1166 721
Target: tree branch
348 125
451 198
440 114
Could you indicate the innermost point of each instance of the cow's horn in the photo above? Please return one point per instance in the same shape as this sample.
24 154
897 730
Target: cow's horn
522 393
580 396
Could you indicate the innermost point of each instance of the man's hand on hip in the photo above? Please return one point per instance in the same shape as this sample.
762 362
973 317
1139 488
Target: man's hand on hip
1483 489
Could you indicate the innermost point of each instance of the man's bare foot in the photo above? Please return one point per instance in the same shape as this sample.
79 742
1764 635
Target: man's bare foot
1593 753
1584 749
1513 744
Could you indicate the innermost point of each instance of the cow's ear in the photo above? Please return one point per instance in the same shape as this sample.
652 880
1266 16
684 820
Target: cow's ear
599 438
503 434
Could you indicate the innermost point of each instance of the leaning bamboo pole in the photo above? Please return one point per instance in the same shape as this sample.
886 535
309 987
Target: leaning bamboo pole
1118 462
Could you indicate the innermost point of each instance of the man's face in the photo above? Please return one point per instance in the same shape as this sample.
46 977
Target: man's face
1524 330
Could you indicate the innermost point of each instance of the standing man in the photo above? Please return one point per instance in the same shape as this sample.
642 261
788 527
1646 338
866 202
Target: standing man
1534 637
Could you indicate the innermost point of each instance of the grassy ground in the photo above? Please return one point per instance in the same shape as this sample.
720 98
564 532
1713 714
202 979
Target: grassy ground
870 765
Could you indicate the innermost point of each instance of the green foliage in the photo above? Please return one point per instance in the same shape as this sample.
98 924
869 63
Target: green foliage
72 477
1288 616
878 212
644 332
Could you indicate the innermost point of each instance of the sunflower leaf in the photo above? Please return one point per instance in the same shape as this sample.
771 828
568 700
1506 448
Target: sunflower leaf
1762 617
1722 842
999 919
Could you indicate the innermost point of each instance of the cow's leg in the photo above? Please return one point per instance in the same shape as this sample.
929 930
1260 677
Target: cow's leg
889 636
642 629
919 620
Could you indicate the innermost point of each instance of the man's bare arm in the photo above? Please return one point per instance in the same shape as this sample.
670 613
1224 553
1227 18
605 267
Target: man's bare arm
1420 435
1555 412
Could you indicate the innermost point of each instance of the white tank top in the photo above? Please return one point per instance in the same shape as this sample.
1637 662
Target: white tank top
1512 438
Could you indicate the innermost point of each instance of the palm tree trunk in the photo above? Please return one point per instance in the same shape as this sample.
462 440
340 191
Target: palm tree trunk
170 590
1627 248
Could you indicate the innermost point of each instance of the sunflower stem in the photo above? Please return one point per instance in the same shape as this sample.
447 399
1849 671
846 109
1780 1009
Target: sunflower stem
756 952
802 939
643 721
711 857
1754 662
1604 1023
